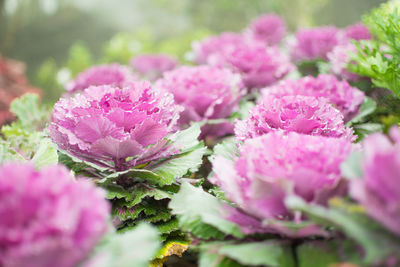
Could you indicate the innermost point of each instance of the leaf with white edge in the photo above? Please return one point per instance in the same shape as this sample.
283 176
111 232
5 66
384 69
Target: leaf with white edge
177 166
367 108
186 139
376 241
134 248
45 155
351 167
196 208
362 130
267 253
227 149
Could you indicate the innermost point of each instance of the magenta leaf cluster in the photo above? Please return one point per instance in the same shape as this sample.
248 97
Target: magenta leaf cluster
206 93
107 74
115 127
47 218
275 165
152 66
340 93
293 113
379 188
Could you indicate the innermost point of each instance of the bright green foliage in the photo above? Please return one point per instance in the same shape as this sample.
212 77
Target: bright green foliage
46 154
380 59
24 139
204 216
134 248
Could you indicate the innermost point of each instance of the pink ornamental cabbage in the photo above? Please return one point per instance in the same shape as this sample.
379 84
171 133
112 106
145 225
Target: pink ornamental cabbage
113 127
301 114
258 64
212 49
268 28
357 32
340 93
47 218
379 190
152 66
271 167
315 43
206 93
340 58
111 74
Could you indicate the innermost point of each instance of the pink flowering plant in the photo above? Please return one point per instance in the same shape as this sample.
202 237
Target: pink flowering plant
207 94
107 74
271 146
152 66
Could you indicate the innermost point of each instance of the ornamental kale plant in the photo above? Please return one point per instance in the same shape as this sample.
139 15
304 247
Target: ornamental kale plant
262 147
44 222
206 93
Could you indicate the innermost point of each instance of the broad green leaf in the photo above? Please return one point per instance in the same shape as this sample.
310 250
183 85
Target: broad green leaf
178 166
45 155
376 241
134 248
186 139
317 254
208 259
227 149
367 108
365 129
201 213
267 253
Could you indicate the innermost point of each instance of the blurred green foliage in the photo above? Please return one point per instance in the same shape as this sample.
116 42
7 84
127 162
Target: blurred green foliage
74 34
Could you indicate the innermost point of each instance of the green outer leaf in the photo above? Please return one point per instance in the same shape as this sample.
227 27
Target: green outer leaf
133 248
209 259
45 155
27 109
195 207
267 253
317 254
377 242
178 166
227 149
186 139
367 108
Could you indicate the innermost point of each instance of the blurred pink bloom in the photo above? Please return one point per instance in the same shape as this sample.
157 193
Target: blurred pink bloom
111 74
340 58
47 218
315 43
301 114
206 92
275 165
152 66
210 50
379 189
340 93
114 127
357 32
258 64
269 28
